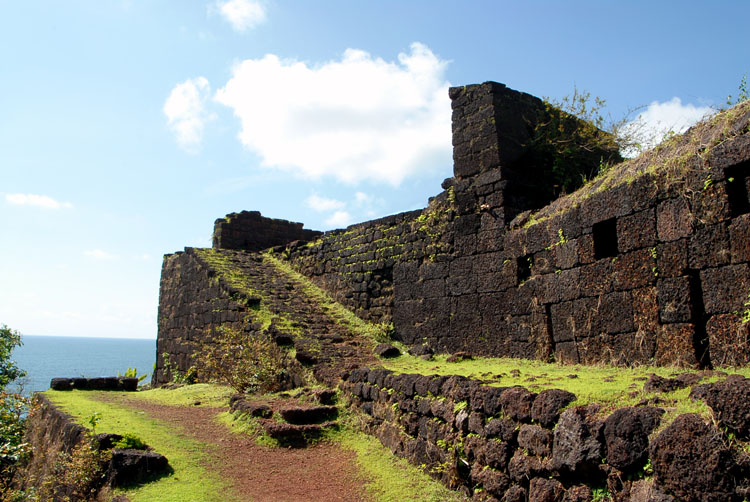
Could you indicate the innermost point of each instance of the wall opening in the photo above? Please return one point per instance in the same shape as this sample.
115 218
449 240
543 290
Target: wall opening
605 239
550 338
738 179
698 314
523 268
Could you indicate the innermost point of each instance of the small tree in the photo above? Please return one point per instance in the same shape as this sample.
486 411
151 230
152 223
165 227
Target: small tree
9 371
13 408
244 361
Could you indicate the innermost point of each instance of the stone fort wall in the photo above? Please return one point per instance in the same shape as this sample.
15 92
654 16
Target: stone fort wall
649 262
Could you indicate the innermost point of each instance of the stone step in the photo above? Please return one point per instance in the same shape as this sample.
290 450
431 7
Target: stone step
295 435
299 415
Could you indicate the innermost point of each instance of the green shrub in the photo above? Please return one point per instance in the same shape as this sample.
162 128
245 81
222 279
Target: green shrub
130 441
132 373
244 361
13 408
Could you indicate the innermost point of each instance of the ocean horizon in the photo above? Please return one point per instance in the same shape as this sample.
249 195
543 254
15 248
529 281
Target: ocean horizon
47 357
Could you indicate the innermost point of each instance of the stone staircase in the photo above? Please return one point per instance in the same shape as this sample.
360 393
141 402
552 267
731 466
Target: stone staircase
288 420
280 304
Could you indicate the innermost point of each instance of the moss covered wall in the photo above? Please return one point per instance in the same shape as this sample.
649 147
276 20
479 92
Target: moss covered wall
648 262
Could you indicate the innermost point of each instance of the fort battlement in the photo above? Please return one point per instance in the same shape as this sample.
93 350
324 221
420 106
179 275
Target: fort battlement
647 263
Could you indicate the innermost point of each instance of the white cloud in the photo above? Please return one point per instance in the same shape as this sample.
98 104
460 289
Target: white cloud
98 254
186 112
242 14
339 219
651 126
30 199
322 204
360 118
361 198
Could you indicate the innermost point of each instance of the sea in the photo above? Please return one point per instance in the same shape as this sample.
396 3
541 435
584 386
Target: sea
48 357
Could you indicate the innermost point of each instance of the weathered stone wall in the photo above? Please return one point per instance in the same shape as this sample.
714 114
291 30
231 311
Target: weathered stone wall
192 303
250 231
512 444
54 437
356 264
647 263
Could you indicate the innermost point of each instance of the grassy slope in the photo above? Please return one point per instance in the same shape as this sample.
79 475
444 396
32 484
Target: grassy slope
190 482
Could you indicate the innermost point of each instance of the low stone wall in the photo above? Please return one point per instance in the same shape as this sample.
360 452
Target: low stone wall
129 384
54 436
511 444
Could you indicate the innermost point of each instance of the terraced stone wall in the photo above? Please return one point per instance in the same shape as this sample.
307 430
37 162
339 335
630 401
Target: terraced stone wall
511 444
250 231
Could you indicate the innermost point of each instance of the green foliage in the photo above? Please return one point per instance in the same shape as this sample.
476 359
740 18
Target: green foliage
133 373
93 420
600 495
571 143
80 474
244 361
746 312
177 376
9 371
130 441
744 93
13 408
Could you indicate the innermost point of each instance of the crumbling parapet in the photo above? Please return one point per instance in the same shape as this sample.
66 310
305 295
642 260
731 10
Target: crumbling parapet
249 231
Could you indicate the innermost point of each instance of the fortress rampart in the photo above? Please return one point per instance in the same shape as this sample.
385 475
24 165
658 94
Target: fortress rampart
649 262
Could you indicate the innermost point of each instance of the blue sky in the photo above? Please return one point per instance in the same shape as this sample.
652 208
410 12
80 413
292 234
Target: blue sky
128 127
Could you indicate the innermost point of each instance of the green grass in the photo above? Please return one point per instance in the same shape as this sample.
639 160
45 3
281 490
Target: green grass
246 425
190 481
613 387
212 395
389 478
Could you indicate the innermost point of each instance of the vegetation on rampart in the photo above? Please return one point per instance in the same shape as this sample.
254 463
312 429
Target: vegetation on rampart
611 387
670 164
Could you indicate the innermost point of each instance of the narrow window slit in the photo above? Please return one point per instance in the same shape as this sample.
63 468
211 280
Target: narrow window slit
738 189
523 268
605 239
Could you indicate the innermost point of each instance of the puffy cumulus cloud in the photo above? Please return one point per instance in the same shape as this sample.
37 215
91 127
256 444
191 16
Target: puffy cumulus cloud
359 118
322 204
30 199
658 120
242 14
186 113
98 254
339 219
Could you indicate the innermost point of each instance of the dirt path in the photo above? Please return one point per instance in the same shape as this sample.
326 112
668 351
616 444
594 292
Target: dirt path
323 472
